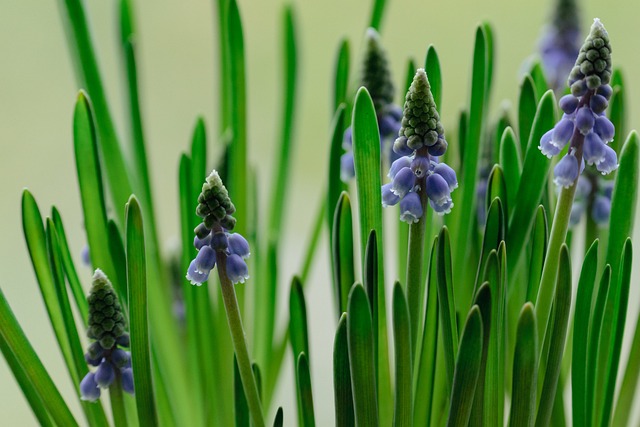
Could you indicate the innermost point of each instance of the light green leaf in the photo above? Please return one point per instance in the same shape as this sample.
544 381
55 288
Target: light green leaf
377 13
617 109
494 233
527 107
539 241
497 188
341 75
298 330
558 329
342 250
447 304
511 164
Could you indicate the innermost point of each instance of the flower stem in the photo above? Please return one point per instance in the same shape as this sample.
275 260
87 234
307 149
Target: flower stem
552 259
239 342
117 402
415 259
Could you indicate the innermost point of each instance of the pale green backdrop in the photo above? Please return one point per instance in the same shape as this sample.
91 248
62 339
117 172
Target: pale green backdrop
178 66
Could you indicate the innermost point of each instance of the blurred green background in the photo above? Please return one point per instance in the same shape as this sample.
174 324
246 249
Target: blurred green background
177 66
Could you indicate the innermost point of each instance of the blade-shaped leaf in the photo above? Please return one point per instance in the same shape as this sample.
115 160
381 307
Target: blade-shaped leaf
434 74
447 304
341 75
511 164
483 301
525 369
403 402
342 377
527 107
343 257
539 241
305 396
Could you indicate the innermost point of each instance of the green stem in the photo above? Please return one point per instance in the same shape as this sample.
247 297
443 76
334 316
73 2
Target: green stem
415 259
313 242
117 402
239 342
552 259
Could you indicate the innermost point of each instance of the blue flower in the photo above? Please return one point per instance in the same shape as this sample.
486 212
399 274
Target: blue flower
107 328
237 270
595 192
417 172
583 125
213 239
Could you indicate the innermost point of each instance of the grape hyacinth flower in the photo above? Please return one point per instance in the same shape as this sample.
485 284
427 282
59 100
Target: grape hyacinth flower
213 240
418 176
593 192
560 43
584 126
108 330
376 77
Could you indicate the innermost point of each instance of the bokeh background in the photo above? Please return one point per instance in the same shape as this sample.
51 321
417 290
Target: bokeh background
177 66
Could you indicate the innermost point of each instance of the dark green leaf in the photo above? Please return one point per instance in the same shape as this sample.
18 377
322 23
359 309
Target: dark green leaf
483 301
494 233
136 267
497 188
361 359
434 74
539 241
535 168
467 370
341 75
527 107
343 258
525 369
447 304
335 186
377 13
305 397
511 164
403 402
342 377
240 399
617 110
279 419
298 330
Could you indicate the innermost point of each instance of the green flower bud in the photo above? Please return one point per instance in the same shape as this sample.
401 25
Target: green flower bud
593 65
106 321
376 76
421 122
214 204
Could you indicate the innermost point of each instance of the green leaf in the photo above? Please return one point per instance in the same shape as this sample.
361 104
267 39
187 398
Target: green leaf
140 170
342 377
447 304
279 419
558 330
426 364
370 281
283 160
527 108
305 397
361 359
342 250
595 327
539 242
434 74
511 164
494 233
465 198
138 316
488 35
366 152
335 185
497 188
14 342
411 71
237 179
535 168
69 268
240 399
483 301
377 13
467 370
91 190
298 330
116 249
537 74
78 367
618 298
579 367
341 76
623 203
525 369
403 402
81 45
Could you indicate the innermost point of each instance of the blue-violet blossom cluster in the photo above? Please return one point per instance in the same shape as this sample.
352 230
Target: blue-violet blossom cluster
560 43
107 328
376 77
417 174
584 125
214 241
593 192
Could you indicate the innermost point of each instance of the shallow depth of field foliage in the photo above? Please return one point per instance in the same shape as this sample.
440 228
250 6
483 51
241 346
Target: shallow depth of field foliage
507 232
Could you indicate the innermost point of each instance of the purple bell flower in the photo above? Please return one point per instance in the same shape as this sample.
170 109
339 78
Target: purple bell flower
594 149
347 167
403 182
437 189
568 104
388 197
448 174
411 208
195 276
601 209
105 374
610 161
127 380
604 128
547 147
237 269
562 133
396 166
585 120
89 390
205 260
566 171
238 245
442 209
